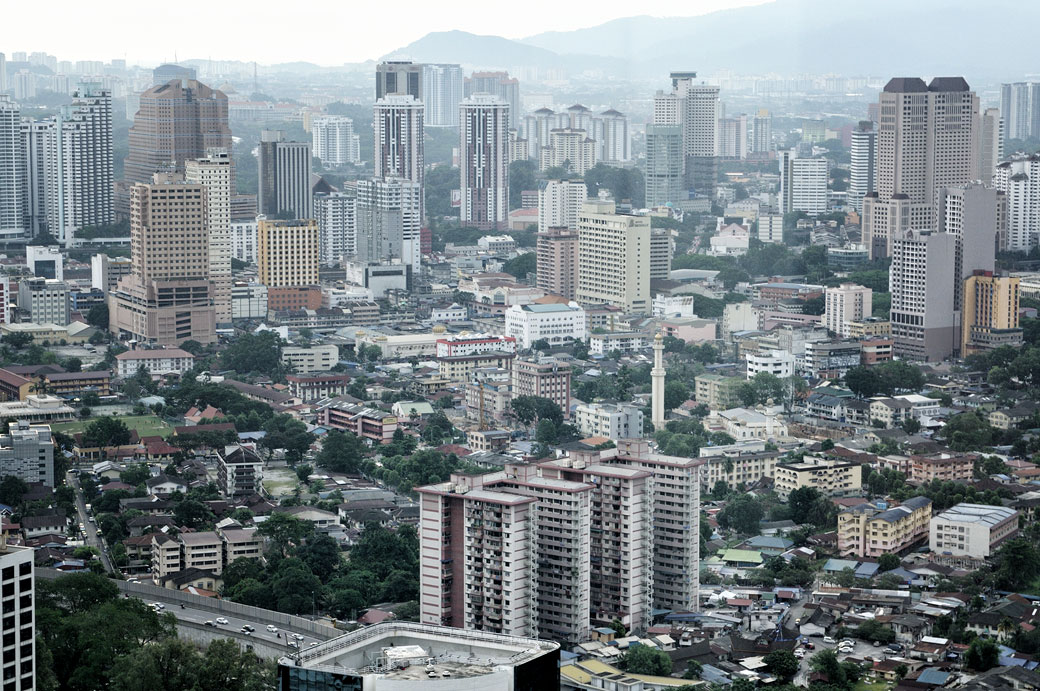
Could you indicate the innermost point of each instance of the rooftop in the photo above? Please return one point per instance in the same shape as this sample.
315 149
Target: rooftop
977 513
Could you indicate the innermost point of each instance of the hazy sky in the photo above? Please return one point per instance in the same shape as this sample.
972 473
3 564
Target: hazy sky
327 33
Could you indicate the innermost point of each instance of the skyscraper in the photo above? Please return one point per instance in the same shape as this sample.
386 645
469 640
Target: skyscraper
862 151
559 203
12 170
214 173
1019 179
398 121
484 161
285 176
927 139
698 113
334 141
990 316
569 149
922 314
399 77
557 261
991 144
168 297
498 84
612 137
42 173
762 132
177 121
613 258
537 126
287 252
1020 108
803 184
971 214
18 658
387 221
337 226
442 91
3 73
733 137
664 165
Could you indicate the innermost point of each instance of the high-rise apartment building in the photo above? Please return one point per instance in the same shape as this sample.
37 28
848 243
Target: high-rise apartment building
498 84
399 141
990 316
863 152
733 137
612 137
927 139
3 73
387 221
337 226
991 144
484 161
1020 108
846 303
559 203
545 377
922 314
762 132
399 77
613 258
1019 180
177 121
570 149
168 297
803 184
215 173
288 252
18 656
557 267
537 126
12 170
442 91
664 165
285 176
695 107
334 141
660 254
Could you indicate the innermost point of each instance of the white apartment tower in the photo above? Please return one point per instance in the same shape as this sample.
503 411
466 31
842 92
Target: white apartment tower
337 226
1020 108
12 170
845 303
18 656
733 137
559 203
700 122
762 132
803 184
1019 180
387 221
863 151
87 162
484 161
399 149
615 144
334 141
922 312
569 148
215 172
442 91
613 258
927 139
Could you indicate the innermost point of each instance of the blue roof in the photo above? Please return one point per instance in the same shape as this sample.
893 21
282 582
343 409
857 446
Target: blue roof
934 676
866 569
714 675
902 574
840 565
774 542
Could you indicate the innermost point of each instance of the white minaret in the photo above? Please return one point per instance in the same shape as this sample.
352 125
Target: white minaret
657 384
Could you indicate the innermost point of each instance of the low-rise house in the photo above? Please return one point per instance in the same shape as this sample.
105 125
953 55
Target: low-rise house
164 485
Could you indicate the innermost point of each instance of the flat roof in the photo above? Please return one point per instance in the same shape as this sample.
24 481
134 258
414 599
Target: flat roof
977 513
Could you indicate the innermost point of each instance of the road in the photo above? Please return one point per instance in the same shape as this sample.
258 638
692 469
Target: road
90 534
235 625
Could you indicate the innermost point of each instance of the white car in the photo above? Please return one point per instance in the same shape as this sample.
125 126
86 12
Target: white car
222 621
272 628
297 636
828 639
294 644
158 606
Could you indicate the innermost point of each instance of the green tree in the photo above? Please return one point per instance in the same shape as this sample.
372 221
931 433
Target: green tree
12 489
888 561
284 530
743 513
192 513
982 654
781 663
106 431
675 394
98 316
521 265
642 659
261 352
862 381
288 433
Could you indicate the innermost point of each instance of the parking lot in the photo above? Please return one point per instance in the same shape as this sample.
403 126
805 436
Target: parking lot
860 650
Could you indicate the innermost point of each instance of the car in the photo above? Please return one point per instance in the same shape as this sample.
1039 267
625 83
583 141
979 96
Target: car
248 627
158 605
100 533
314 643
222 621
209 622
272 628
799 653
297 636
810 645
896 647
877 644
246 631
294 644
828 639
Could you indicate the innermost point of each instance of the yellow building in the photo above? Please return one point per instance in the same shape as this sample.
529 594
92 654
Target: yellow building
990 316
832 478
287 252
868 531
870 328
718 392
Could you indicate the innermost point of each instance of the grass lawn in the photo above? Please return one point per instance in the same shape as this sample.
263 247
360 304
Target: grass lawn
146 425
878 686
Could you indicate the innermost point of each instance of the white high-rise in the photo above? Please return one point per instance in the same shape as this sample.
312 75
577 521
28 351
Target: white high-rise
334 141
559 203
700 122
803 184
1020 108
442 91
922 314
3 73
337 226
12 170
399 150
18 658
664 165
613 258
42 173
570 149
215 173
615 143
863 151
733 137
991 144
843 304
387 221
762 132
537 126
1019 179
484 161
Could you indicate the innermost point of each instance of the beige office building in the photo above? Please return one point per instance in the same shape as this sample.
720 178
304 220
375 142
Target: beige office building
990 316
557 267
831 478
613 258
215 172
168 297
287 252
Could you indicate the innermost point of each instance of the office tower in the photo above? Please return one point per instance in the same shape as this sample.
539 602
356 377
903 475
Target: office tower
387 220
922 314
484 161
557 266
613 258
1019 180
803 184
3 73
991 144
18 659
664 165
442 90
971 214
399 141
164 74
862 152
569 149
12 170
990 316
846 303
45 262
660 254
559 203
696 108
613 138
106 271
287 252
27 452
44 301
334 142
337 226
285 176
927 139
214 172
177 121
168 297
733 137
762 132
668 108
1019 107
496 84
537 126
399 77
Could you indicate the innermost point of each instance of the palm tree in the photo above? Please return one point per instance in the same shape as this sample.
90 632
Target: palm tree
1007 628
